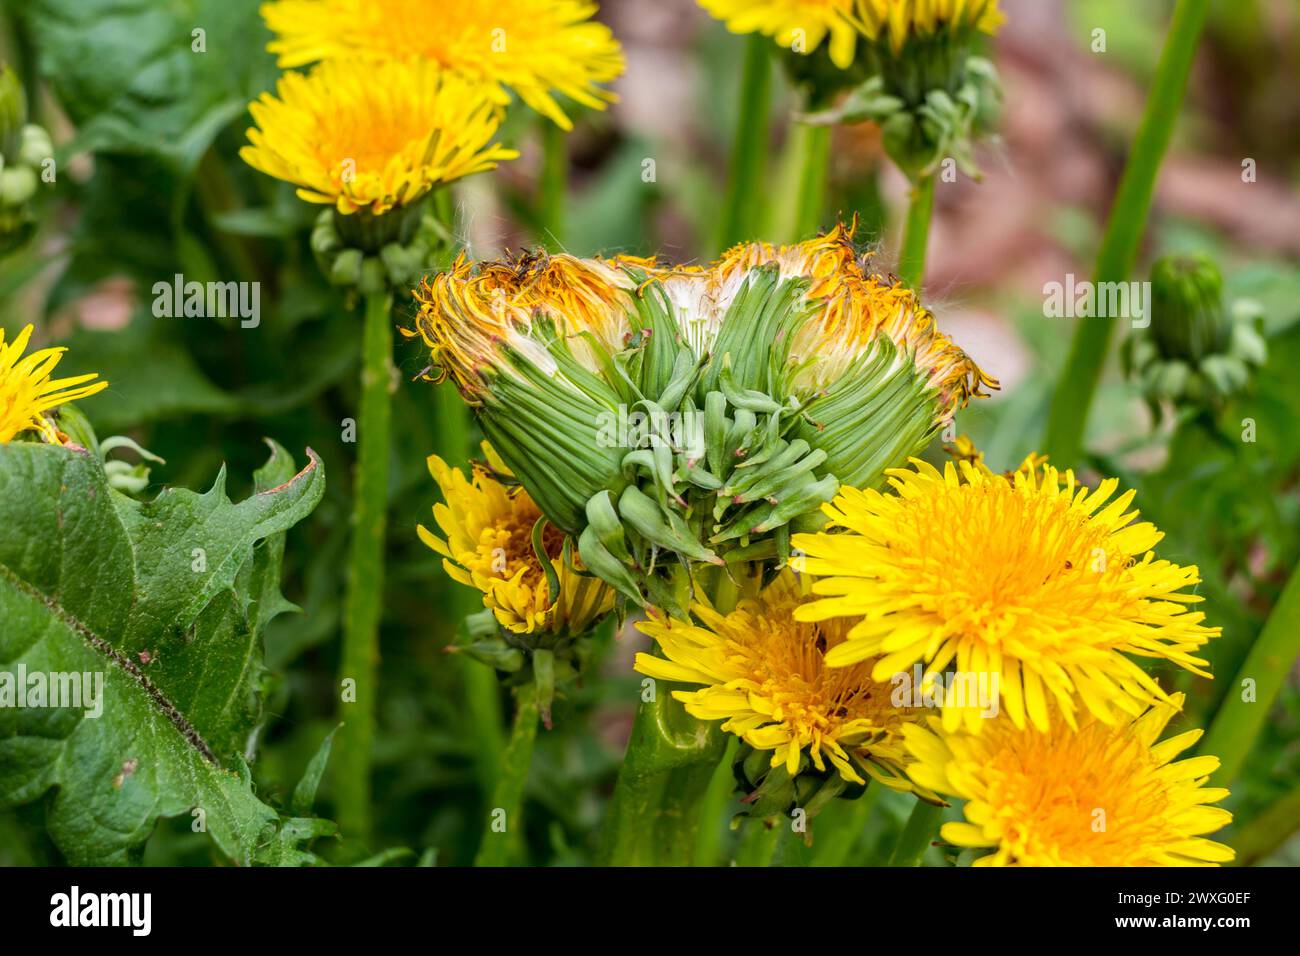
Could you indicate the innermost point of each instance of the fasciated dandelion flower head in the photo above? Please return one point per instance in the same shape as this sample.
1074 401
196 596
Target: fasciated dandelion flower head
487 529
800 25
1033 577
537 48
765 674
1099 794
897 21
27 392
373 136
763 381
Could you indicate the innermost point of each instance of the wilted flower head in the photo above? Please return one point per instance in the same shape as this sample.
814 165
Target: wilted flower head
535 47
1096 795
27 392
764 673
1053 587
693 412
373 136
493 543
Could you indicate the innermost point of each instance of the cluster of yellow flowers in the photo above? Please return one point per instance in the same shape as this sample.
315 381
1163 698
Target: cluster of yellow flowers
802 25
406 95
857 651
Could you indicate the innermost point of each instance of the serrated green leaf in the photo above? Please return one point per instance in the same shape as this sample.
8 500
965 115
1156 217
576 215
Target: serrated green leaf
165 600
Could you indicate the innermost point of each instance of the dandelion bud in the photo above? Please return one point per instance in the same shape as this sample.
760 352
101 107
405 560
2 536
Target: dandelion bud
1198 350
1187 317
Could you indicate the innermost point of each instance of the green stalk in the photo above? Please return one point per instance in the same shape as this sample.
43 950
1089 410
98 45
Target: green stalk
363 601
917 834
916 233
742 211
497 844
758 842
553 184
1119 244
1237 723
708 845
810 200
1265 833
661 797
653 818
839 827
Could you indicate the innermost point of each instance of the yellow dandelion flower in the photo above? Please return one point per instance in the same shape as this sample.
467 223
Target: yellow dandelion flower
765 674
534 47
488 528
27 392
800 25
373 136
1031 577
1099 795
899 20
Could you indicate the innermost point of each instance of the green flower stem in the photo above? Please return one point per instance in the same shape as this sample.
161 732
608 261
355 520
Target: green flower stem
497 844
916 233
839 827
363 601
810 200
1266 832
1236 725
1119 244
662 796
758 842
653 818
708 845
742 211
553 185
917 834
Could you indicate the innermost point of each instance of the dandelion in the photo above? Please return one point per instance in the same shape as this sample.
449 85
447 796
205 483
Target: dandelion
373 136
1101 794
800 25
488 544
764 674
763 380
27 392
1053 587
901 20
535 47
